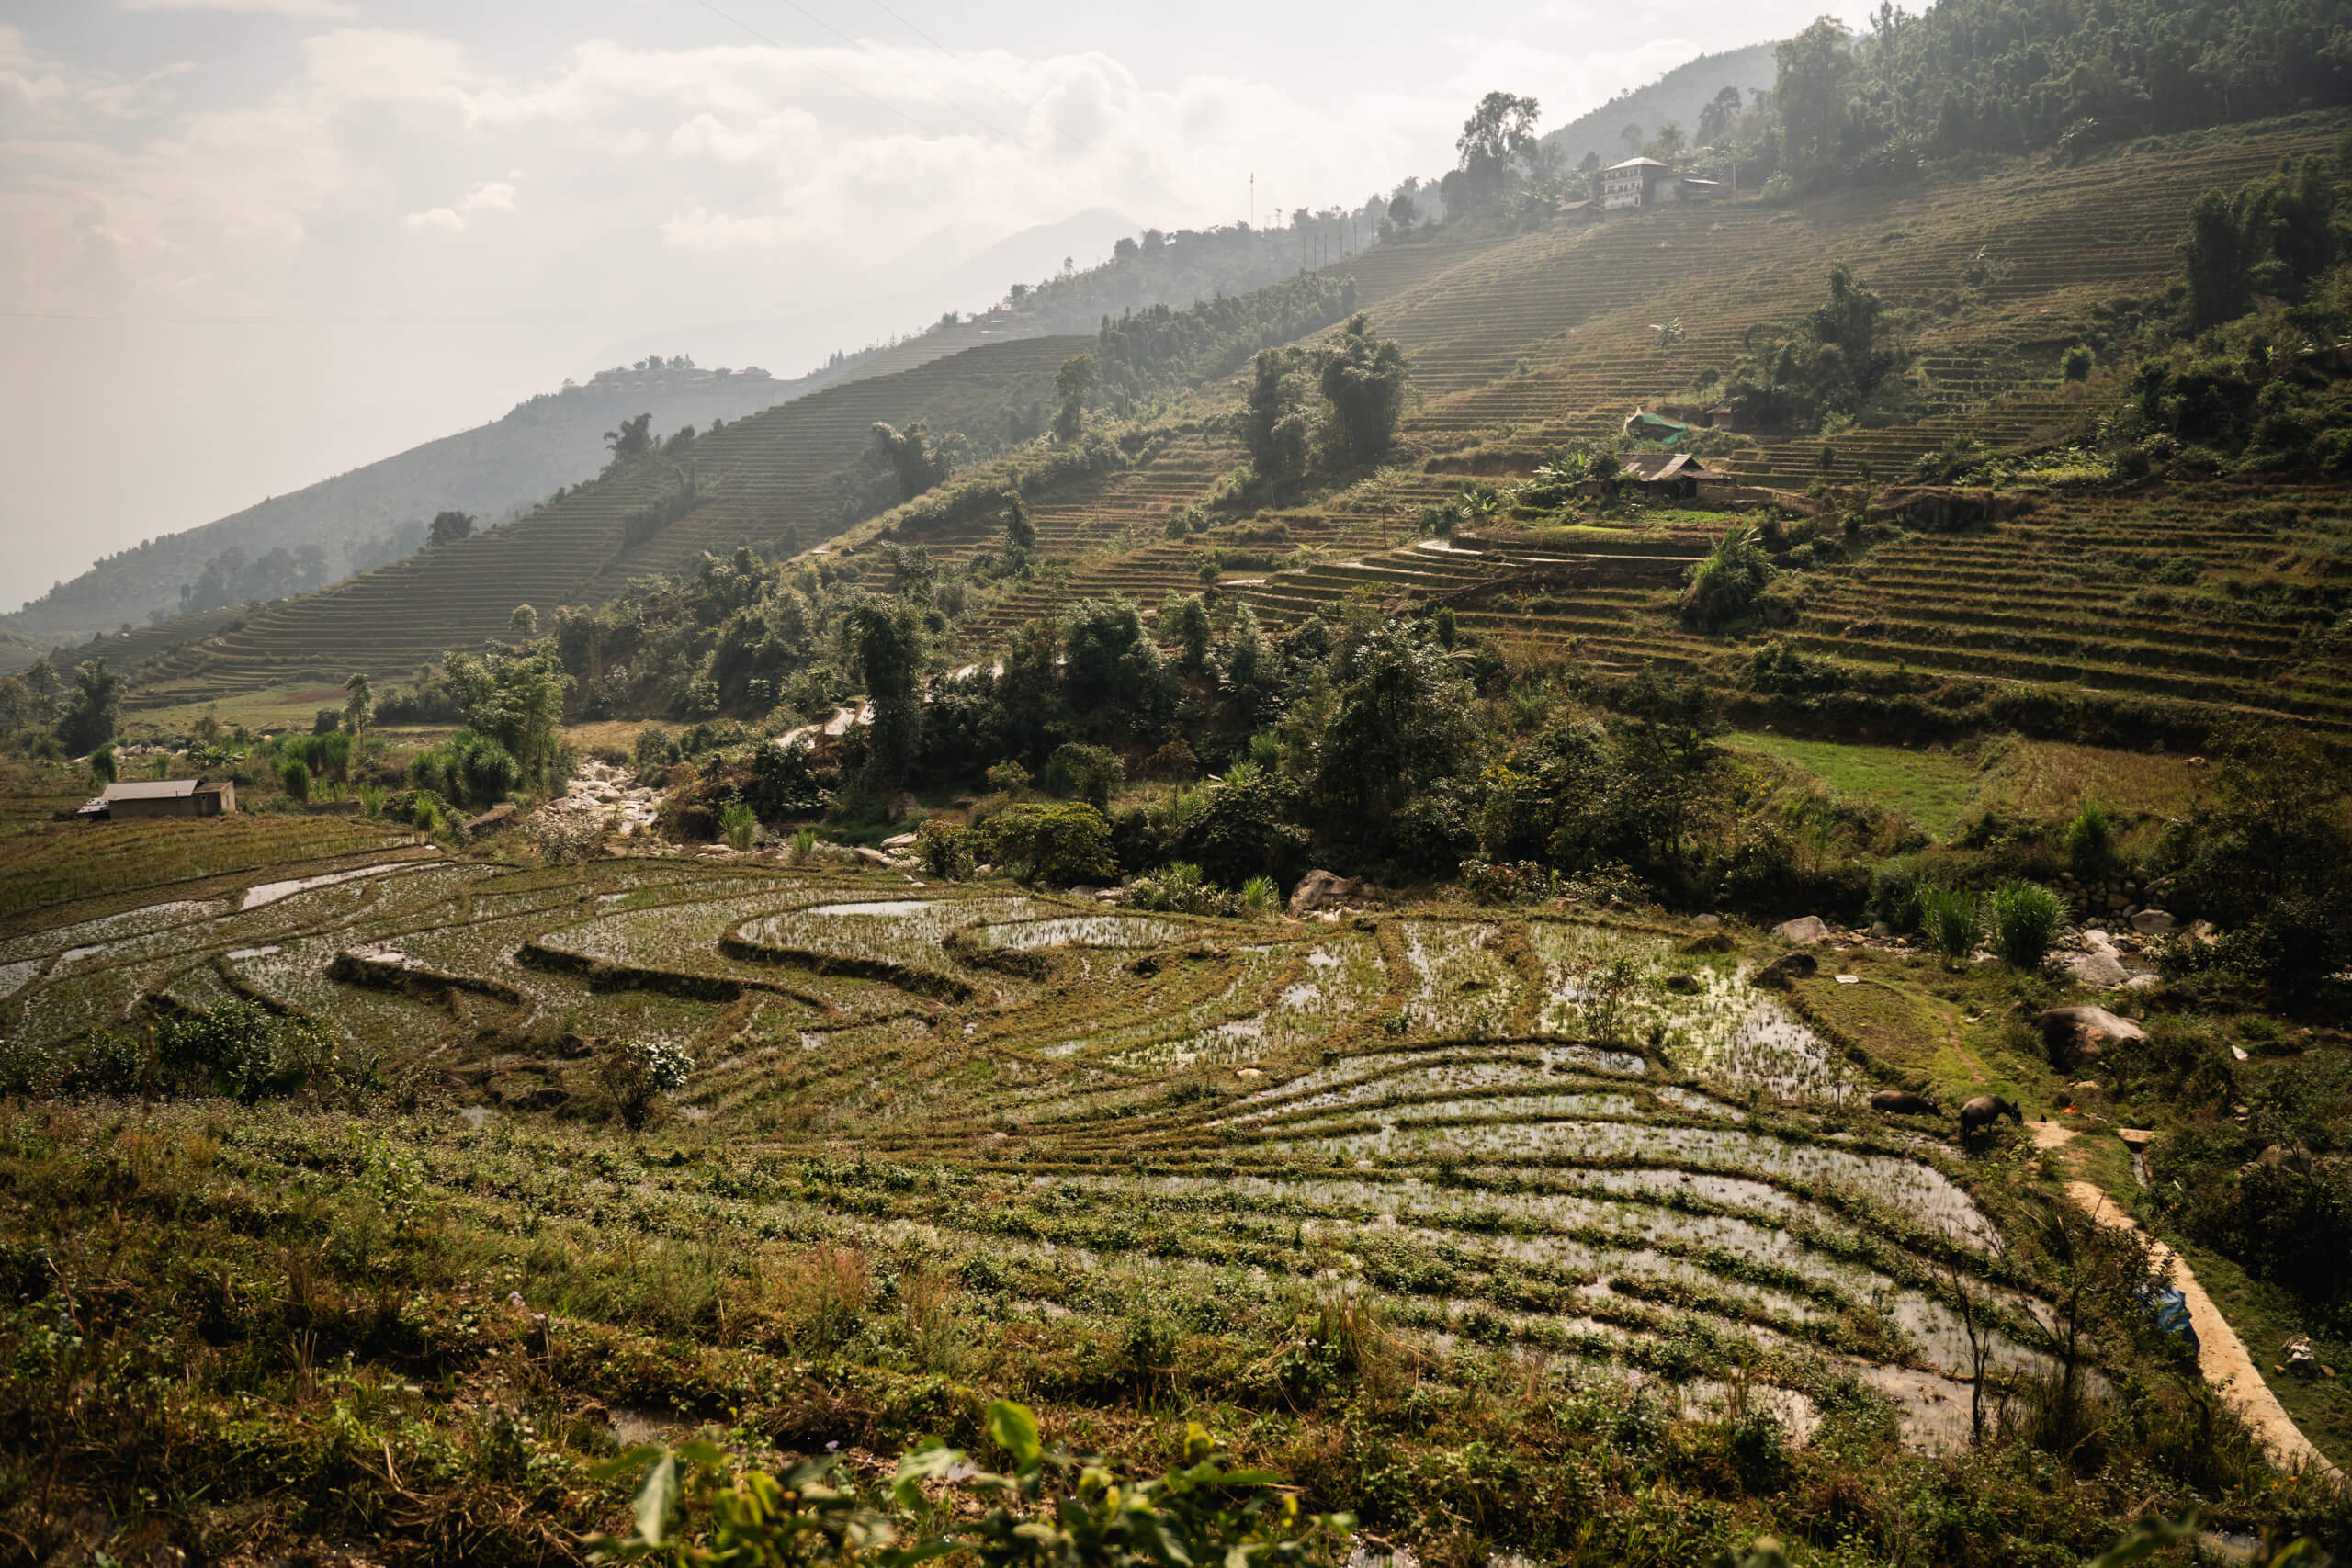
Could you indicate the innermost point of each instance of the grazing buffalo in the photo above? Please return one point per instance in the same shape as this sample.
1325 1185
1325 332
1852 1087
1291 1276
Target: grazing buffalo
1903 1102
1985 1110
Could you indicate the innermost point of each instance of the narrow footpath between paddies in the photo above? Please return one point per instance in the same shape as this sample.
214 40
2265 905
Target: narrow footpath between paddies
2221 1355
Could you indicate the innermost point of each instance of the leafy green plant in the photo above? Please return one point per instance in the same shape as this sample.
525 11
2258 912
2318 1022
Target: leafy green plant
804 846
1052 1510
948 851
2024 917
245 1051
1261 896
1952 919
739 824
2090 841
1727 581
1056 844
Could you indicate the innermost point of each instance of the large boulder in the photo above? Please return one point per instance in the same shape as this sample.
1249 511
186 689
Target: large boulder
1319 889
1805 930
2153 922
1789 966
2084 1033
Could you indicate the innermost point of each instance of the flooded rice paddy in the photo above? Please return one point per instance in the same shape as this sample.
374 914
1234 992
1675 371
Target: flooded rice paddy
1513 1132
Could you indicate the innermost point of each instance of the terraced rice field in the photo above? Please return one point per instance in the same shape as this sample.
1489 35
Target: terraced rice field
1527 343
1511 1134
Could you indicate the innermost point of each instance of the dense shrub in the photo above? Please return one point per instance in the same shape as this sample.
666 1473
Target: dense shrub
1952 919
1727 583
1057 845
636 1073
2024 919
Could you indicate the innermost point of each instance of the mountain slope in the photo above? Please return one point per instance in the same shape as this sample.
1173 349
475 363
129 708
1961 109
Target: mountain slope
769 476
1544 339
1677 97
489 471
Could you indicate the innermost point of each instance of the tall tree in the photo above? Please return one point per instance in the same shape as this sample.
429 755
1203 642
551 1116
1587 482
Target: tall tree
2218 254
1496 144
1073 390
1274 422
634 438
885 640
1810 88
93 709
1364 379
1403 719
1020 532
358 705
1716 120
448 527
516 700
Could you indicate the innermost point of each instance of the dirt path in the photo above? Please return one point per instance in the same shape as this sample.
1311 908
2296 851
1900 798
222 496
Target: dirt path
2221 1355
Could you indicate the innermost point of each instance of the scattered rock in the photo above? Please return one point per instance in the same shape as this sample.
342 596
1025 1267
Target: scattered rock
497 817
1682 982
2101 970
1714 942
900 842
2084 1033
2301 1361
1849 979
2285 1156
1805 930
2135 1138
1903 1102
1249 1072
873 856
1789 966
2153 922
1318 888
2145 983
1705 922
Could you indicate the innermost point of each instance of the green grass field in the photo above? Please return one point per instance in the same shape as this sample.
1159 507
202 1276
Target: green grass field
1931 786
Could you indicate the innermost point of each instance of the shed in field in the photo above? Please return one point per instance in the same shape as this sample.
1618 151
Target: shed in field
1668 474
142 799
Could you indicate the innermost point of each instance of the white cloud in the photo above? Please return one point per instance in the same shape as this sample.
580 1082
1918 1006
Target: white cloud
330 9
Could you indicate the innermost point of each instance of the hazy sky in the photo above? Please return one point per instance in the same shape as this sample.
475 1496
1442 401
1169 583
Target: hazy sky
245 244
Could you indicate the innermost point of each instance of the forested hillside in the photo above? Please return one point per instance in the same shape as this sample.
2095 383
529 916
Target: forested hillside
291 544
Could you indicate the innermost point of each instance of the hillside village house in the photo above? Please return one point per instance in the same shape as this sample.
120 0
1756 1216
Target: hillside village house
1646 182
143 799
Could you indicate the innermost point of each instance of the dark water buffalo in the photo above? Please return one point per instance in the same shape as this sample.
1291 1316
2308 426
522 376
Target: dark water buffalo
1985 1110
1903 1102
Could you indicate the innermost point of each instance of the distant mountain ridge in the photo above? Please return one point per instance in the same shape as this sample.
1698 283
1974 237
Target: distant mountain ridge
1678 98
490 472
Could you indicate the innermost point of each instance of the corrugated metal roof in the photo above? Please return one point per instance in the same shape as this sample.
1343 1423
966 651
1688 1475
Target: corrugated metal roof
152 789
